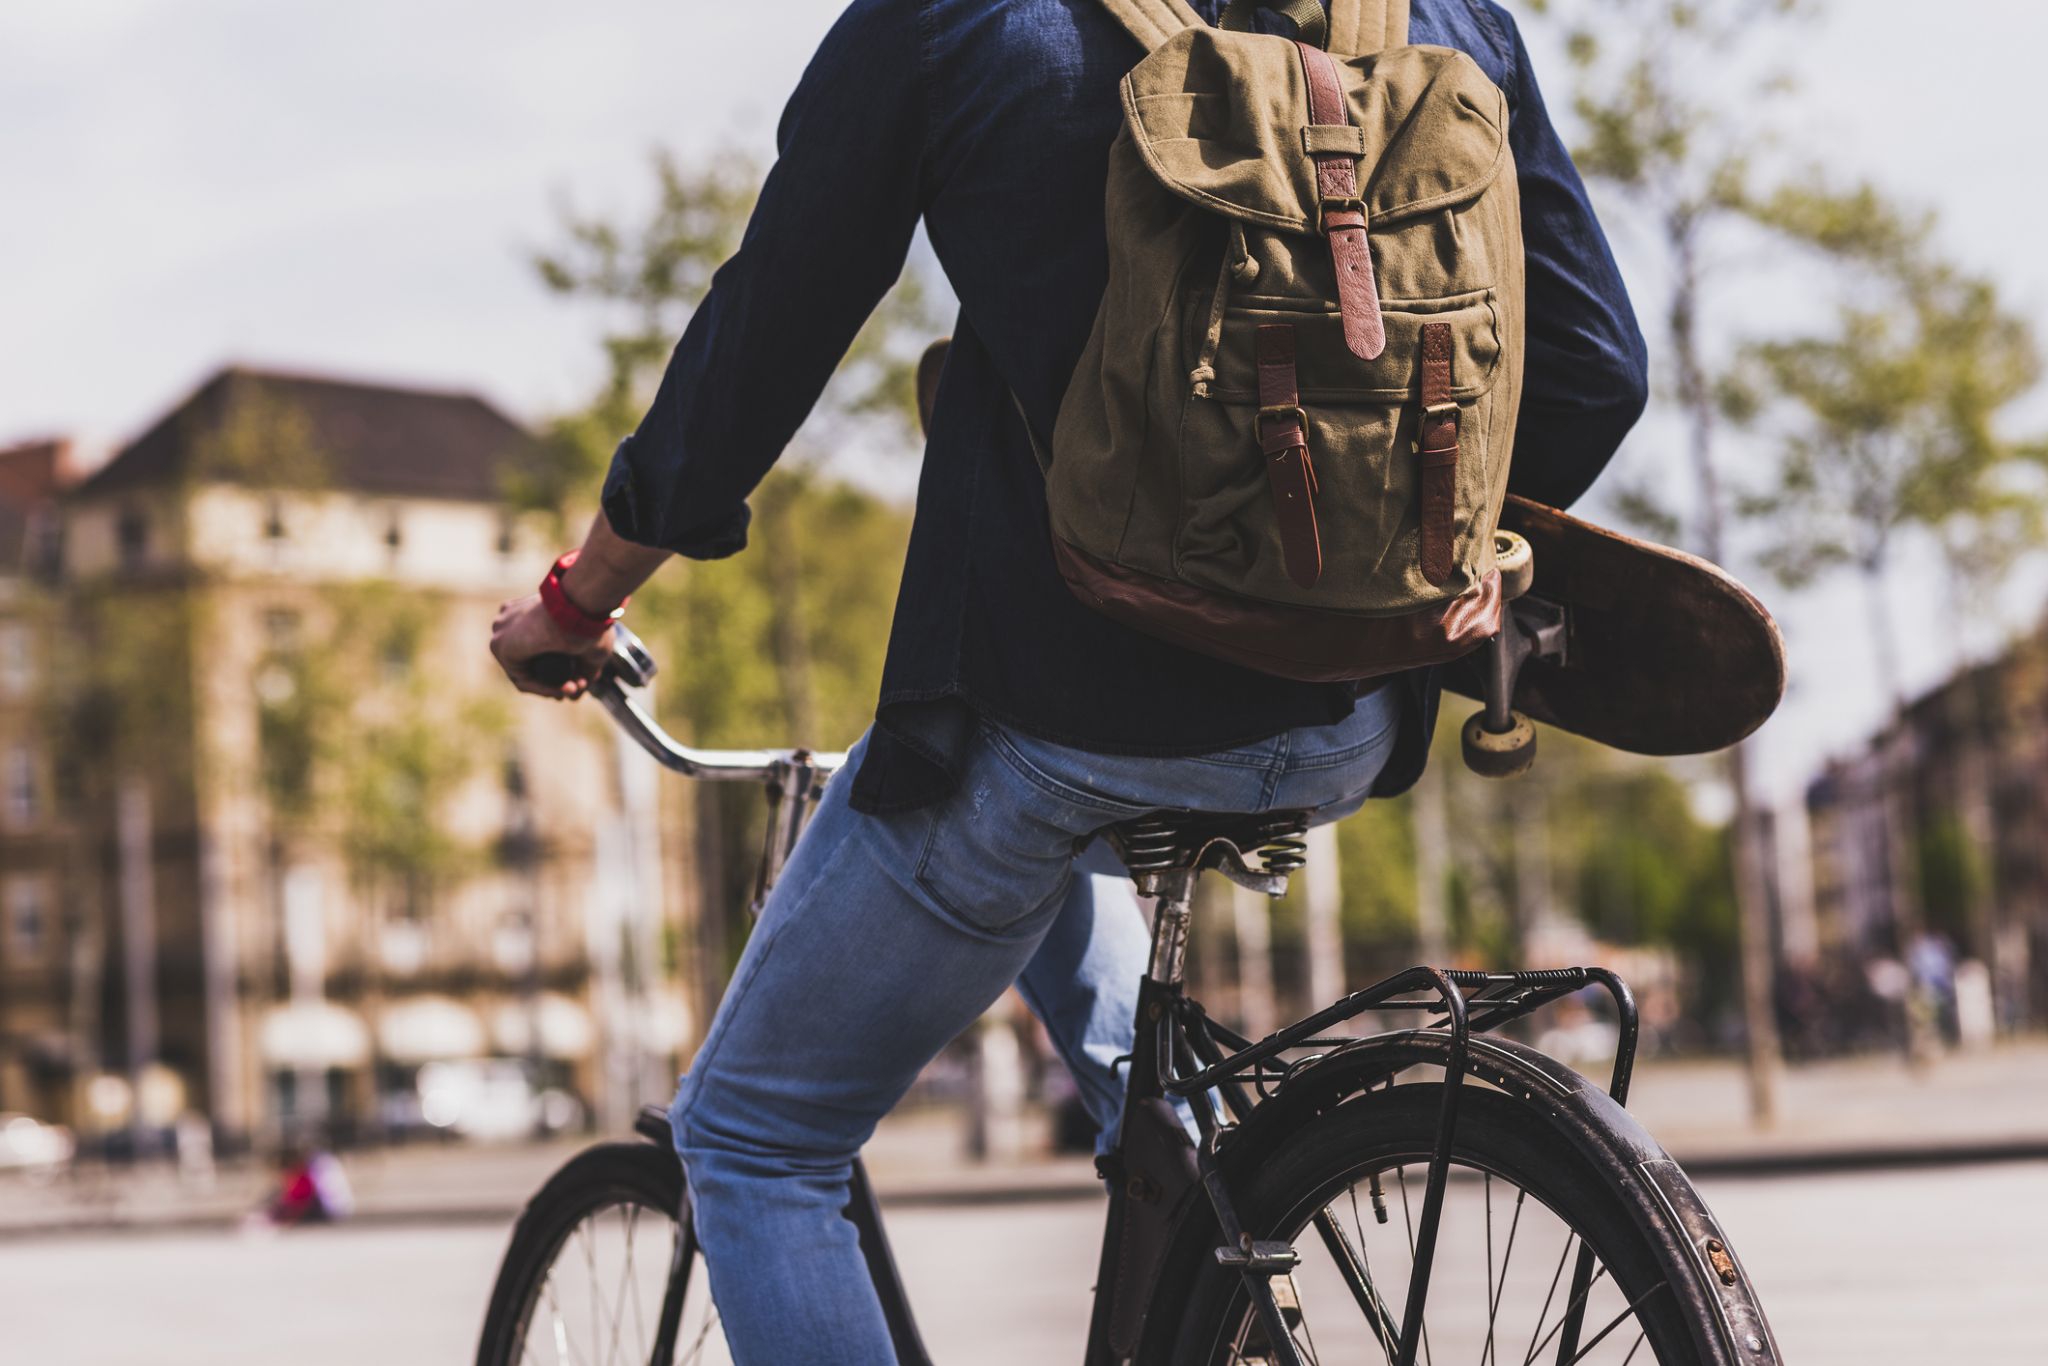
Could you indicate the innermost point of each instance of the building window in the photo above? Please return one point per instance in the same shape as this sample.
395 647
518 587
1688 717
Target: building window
17 660
131 534
46 543
27 909
394 531
20 794
507 535
281 629
273 519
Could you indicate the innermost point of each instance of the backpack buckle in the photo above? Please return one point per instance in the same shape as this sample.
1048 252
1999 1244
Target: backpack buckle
1446 411
1293 410
1338 203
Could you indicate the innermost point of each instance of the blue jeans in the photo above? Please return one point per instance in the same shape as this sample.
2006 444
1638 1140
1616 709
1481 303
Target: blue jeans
888 936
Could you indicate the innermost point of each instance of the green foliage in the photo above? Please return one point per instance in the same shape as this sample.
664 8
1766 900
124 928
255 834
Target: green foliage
1377 852
722 639
646 280
1675 100
355 736
393 795
1890 422
1954 876
263 442
121 681
1621 846
786 642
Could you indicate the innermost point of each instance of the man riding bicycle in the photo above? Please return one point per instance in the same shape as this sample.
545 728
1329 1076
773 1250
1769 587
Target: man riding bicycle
958 857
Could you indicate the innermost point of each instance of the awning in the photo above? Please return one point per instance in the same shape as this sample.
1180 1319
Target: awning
421 1029
565 1027
314 1034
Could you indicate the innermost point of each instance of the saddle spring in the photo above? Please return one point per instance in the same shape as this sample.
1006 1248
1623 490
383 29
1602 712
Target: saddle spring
1168 840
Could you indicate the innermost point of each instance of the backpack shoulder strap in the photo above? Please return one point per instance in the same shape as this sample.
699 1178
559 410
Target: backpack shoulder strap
1152 22
1357 27
1361 27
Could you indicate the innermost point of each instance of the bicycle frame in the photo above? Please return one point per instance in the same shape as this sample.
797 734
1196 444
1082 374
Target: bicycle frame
1180 1054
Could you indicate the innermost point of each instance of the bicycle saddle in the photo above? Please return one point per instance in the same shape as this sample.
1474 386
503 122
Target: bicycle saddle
1192 841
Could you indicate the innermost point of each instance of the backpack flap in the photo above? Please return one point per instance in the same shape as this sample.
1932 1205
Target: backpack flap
1222 119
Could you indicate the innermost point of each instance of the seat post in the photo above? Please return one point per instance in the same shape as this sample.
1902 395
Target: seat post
1174 889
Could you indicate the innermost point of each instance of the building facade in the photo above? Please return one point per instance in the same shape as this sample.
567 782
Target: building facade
337 875
1940 825
41 932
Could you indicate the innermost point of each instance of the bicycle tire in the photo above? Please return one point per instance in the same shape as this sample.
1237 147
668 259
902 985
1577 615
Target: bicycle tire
1198 1304
633 1176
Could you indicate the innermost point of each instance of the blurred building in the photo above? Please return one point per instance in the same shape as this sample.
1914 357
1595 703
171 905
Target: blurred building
328 870
1941 824
39 998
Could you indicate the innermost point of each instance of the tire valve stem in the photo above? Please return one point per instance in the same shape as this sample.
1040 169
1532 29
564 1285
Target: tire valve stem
1379 1198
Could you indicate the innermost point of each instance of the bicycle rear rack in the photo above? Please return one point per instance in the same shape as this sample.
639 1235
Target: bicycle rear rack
1466 1003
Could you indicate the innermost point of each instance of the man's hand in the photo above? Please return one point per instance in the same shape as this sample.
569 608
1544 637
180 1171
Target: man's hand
524 633
536 652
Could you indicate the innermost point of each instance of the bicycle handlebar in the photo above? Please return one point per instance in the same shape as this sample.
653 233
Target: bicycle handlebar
630 669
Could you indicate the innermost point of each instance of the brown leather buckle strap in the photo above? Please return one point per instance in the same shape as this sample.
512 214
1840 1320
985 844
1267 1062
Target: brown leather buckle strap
1341 211
1283 436
1437 444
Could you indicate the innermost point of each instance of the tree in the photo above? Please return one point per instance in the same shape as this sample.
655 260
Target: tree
1672 132
783 644
1887 428
646 279
1890 429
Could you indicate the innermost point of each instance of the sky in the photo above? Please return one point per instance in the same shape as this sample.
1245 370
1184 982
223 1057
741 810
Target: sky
357 189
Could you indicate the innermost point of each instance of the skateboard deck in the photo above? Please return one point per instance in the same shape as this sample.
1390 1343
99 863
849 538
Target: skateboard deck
1664 653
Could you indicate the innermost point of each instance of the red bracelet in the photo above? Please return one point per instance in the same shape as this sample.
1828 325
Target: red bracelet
567 614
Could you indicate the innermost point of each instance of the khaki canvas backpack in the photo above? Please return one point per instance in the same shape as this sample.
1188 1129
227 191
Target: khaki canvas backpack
1287 442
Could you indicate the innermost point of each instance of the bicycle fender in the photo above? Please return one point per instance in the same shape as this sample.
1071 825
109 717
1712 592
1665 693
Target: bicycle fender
1602 1131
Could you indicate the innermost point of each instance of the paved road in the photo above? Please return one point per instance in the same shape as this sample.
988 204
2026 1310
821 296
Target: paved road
1942 1266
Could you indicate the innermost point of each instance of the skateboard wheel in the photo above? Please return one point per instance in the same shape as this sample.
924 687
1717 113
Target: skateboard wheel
1516 563
1501 755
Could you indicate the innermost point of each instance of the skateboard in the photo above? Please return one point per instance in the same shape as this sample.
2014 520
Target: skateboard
1624 642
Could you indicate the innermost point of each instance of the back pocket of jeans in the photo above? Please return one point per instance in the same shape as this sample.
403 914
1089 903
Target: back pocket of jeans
998 852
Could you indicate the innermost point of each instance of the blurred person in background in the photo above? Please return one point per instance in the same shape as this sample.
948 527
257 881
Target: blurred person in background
312 1188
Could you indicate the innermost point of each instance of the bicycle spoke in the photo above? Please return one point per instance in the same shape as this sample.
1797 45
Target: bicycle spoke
1356 1274
1401 1177
1390 1338
1642 1336
697 1347
1313 1358
639 1314
564 1349
590 1270
1570 1237
1570 1309
1492 1300
1507 1255
1615 1323
626 1288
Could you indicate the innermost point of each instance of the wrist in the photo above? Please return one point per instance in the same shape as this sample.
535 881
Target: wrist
573 607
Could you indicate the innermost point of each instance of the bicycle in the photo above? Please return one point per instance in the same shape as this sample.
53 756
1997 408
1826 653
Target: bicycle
1252 1243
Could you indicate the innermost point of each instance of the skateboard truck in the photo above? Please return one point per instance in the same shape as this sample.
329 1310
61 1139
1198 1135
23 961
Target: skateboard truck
1500 742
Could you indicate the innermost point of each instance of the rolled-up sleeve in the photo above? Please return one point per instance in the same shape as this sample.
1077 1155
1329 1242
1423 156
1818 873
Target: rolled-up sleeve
1587 372
827 239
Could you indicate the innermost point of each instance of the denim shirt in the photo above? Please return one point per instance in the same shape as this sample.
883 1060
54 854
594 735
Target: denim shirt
991 120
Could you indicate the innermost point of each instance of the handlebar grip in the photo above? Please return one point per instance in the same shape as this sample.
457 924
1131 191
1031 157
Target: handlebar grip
553 669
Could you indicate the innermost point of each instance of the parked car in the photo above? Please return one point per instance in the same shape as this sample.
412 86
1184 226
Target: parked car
29 1145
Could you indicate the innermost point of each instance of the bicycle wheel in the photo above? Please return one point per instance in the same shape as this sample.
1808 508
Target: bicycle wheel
586 1279
1346 1188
